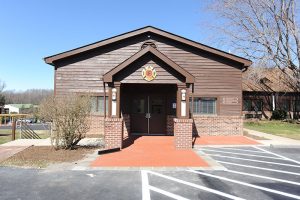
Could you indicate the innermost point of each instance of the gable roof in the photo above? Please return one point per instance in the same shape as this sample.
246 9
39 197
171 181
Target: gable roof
150 29
108 77
263 79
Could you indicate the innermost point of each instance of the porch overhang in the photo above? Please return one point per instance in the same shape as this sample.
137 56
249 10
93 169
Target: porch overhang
108 77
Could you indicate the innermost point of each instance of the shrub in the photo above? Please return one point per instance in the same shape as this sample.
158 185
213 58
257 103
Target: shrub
69 117
279 115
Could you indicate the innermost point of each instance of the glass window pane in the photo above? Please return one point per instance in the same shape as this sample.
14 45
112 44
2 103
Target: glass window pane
93 104
138 106
97 105
106 105
247 105
100 103
257 105
297 106
205 105
286 105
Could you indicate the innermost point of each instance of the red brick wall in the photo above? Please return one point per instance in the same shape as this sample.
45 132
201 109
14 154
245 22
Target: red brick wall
218 125
126 126
96 126
183 133
113 133
170 124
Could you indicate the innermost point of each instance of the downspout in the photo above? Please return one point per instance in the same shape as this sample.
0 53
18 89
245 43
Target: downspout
104 99
273 102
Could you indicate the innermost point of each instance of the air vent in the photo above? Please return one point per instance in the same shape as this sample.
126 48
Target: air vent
148 43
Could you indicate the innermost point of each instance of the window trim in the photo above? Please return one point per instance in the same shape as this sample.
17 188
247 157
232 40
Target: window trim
205 96
105 105
98 94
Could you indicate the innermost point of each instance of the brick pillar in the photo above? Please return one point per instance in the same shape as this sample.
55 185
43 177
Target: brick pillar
113 133
183 133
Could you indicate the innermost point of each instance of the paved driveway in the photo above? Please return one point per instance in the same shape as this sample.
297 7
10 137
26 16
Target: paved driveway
252 173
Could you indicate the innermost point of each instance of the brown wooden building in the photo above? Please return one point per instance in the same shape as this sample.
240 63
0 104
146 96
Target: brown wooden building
149 81
269 89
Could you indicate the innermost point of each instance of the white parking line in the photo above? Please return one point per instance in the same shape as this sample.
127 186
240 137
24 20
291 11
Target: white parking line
247 184
145 185
197 186
242 154
264 177
230 148
262 168
260 161
275 154
169 194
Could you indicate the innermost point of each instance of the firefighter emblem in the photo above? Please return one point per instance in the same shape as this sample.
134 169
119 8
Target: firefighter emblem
149 73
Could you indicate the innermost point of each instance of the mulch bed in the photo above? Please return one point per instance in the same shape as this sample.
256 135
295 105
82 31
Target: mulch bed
41 157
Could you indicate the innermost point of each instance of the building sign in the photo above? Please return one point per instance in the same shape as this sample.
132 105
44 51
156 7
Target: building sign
149 73
230 100
174 105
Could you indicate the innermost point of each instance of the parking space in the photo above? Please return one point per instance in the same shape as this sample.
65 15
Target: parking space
251 173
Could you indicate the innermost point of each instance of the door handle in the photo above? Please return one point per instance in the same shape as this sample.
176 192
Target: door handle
148 115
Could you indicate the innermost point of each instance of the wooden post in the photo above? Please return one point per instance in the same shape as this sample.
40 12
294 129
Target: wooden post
13 129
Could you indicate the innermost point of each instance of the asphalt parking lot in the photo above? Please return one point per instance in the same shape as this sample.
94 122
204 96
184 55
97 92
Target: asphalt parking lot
251 173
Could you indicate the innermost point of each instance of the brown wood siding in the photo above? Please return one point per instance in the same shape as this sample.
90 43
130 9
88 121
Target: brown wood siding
215 77
133 73
78 75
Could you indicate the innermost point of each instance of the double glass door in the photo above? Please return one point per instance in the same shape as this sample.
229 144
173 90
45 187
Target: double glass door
148 114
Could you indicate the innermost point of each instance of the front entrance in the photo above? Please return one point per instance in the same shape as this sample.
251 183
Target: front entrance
148 114
148 106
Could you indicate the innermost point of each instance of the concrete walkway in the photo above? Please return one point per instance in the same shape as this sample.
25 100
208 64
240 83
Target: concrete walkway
8 151
47 142
273 140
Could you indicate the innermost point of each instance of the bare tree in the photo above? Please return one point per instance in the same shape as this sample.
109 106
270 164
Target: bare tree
30 96
264 30
70 118
2 97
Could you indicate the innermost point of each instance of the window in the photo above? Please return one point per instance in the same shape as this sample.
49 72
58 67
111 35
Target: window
97 106
286 105
252 105
257 105
247 105
138 106
205 105
297 106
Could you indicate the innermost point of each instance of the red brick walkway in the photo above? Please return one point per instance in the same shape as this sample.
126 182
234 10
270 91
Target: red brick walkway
151 151
225 140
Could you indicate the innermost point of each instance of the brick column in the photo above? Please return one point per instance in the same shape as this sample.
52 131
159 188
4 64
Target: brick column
113 133
183 133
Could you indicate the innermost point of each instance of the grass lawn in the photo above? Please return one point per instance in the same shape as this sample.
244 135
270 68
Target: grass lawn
5 135
279 128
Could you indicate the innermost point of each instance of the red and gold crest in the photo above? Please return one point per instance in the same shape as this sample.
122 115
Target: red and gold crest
149 73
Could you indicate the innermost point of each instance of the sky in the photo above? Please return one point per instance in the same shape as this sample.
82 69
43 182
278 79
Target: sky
33 29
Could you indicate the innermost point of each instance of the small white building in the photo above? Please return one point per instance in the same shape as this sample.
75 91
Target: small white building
18 108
